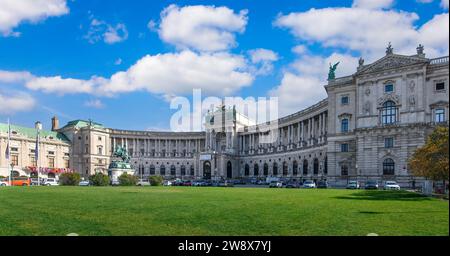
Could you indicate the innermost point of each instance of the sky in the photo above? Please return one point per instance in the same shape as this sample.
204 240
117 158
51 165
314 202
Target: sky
120 62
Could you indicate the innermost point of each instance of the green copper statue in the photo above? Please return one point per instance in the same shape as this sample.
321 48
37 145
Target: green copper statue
331 74
122 153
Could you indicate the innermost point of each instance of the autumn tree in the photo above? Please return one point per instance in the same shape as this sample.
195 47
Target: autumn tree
431 160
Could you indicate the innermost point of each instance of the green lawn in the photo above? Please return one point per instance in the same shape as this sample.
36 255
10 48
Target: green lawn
217 211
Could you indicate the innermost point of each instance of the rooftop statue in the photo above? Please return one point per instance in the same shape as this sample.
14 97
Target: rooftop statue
331 73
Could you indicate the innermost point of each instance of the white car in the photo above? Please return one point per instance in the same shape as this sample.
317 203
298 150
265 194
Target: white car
143 183
50 182
309 184
3 183
167 183
353 184
391 185
84 183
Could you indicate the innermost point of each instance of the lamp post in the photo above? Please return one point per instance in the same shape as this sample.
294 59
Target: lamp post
11 177
38 127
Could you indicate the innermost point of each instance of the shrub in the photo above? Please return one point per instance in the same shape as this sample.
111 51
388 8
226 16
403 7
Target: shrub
156 180
99 179
127 180
69 179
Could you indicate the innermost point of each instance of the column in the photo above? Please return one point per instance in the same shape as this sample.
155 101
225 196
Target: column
303 132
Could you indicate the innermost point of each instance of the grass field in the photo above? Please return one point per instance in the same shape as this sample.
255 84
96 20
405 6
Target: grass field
217 211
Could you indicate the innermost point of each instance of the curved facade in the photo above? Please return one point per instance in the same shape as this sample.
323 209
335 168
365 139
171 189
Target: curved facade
367 128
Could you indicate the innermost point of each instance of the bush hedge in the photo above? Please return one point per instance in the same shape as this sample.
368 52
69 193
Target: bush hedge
156 180
127 180
99 179
70 179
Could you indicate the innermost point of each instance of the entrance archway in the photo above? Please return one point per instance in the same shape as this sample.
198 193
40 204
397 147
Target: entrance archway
207 170
229 170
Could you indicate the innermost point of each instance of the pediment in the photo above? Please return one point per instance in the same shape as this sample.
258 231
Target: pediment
391 61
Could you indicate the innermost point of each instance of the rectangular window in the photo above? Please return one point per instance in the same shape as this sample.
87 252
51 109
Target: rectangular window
33 161
344 170
86 149
439 115
14 159
344 147
344 100
388 142
51 153
389 88
100 150
51 162
440 86
66 163
99 138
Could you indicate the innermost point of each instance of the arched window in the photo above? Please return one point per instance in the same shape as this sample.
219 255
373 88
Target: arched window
192 170
183 170
285 169
325 166
295 168
389 113
305 167
152 169
275 169
247 170
388 167
162 170
344 125
316 166
172 170
266 169
255 170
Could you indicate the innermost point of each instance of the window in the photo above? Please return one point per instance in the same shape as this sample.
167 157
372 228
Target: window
389 113
344 125
100 150
51 162
344 147
344 100
388 88
344 170
66 163
86 149
388 142
99 138
388 167
33 161
15 160
440 86
439 115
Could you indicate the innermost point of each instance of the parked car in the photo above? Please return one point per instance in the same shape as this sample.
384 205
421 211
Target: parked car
371 184
84 183
309 184
20 181
167 183
353 184
186 183
291 185
274 184
143 182
322 184
4 183
50 182
391 185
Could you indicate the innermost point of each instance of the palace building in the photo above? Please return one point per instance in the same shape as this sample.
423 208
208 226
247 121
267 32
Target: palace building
367 128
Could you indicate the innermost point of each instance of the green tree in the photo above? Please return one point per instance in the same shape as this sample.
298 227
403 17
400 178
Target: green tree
127 180
431 160
156 180
70 179
99 179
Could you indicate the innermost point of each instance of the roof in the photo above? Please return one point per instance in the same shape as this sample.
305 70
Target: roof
31 132
83 123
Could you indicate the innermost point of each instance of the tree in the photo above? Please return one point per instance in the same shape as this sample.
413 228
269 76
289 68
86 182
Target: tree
99 179
431 160
69 178
127 180
156 180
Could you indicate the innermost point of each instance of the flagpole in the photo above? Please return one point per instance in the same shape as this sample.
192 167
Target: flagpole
8 153
38 128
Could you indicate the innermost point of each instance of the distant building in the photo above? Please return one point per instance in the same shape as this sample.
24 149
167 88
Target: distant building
367 128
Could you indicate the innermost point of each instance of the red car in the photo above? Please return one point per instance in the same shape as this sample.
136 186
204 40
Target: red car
186 183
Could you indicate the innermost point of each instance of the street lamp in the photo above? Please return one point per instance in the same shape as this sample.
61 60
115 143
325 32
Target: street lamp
11 177
38 127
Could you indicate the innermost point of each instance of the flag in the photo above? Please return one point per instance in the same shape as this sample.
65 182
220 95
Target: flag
36 150
7 153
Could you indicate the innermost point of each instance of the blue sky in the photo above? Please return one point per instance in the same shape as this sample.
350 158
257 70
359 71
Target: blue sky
118 62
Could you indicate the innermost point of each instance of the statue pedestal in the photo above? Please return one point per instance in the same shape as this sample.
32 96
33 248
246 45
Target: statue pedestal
117 168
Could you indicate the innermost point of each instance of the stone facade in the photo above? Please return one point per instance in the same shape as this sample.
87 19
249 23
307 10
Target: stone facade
368 126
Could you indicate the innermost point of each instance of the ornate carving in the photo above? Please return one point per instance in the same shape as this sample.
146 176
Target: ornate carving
387 97
412 101
366 107
412 84
367 92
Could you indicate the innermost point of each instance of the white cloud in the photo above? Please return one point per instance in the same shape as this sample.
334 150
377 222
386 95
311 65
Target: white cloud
203 28
61 86
370 31
11 103
444 4
299 49
179 73
424 1
302 85
14 12
373 4
14 77
263 58
110 34
118 61
94 103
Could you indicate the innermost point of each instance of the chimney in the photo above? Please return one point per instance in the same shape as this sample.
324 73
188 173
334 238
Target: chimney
55 123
